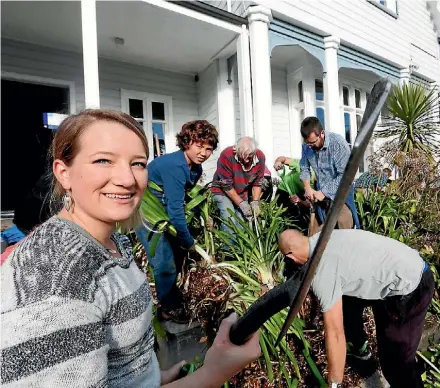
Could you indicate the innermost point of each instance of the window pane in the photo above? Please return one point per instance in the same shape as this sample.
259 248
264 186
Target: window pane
300 91
358 121
158 109
321 116
345 95
347 127
319 90
136 108
158 139
357 94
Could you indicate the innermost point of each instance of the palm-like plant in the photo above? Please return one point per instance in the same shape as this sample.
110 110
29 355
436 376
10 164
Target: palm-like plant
413 118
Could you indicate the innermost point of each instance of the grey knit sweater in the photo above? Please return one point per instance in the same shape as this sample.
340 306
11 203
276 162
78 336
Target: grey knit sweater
73 315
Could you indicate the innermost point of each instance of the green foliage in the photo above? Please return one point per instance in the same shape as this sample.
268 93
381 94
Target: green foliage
384 213
413 118
155 215
431 358
256 267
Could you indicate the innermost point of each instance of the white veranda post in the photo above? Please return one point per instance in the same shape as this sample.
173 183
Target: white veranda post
90 53
331 86
259 20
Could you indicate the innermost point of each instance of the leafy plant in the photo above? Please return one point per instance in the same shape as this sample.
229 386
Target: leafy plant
431 358
384 213
255 267
413 118
158 222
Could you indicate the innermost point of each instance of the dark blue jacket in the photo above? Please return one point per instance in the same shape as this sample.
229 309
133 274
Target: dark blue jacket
171 172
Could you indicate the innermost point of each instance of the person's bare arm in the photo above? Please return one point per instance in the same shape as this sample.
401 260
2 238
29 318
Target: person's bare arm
287 160
256 193
233 196
280 161
335 342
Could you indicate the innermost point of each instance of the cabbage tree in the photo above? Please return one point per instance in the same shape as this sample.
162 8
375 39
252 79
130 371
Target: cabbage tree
413 119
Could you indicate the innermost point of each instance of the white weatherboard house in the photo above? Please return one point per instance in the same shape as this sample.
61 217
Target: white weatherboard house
250 68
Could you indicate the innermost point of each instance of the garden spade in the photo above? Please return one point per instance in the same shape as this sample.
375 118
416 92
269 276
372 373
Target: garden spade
293 291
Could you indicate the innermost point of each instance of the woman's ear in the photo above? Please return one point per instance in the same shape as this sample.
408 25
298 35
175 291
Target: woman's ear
61 172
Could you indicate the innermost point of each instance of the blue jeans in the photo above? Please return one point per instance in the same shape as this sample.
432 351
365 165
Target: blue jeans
164 268
223 204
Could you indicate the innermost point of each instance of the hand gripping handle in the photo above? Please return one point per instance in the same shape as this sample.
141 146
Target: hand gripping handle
258 313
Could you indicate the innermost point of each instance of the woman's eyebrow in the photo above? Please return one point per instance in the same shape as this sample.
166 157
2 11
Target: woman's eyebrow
113 154
103 153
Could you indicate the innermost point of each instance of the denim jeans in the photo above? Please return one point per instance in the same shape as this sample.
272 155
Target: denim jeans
223 204
164 268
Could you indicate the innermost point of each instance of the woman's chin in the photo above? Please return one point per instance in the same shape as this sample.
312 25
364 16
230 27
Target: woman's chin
118 217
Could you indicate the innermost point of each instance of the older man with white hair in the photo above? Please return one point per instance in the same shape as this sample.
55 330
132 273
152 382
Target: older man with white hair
239 168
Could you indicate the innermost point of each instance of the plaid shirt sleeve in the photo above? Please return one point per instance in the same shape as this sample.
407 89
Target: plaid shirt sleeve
261 167
224 172
304 166
340 152
383 180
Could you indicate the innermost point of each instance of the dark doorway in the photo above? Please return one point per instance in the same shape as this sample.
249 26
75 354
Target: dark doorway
25 143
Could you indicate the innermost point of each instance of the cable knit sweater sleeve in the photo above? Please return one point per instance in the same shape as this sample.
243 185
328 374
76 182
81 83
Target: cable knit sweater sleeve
74 316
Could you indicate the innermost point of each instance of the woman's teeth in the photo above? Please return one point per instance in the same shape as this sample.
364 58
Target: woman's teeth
127 196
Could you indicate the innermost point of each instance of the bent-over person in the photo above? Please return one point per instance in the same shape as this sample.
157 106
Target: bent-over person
359 269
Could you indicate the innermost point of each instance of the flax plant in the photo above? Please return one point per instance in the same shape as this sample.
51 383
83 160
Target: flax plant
256 266
157 221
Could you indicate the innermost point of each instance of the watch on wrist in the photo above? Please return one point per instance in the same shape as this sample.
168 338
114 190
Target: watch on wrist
334 385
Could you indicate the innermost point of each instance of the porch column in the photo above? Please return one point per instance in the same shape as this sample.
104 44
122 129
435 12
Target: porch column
225 105
405 75
259 19
90 53
331 86
244 83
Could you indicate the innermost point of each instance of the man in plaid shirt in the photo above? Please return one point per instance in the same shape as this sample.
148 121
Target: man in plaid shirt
327 154
369 180
239 168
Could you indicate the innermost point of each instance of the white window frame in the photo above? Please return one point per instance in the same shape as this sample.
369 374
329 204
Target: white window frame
319 103
390 7
148 99
32 79
352 109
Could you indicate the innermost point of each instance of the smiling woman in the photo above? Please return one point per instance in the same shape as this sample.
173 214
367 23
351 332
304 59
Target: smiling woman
101 172
76 310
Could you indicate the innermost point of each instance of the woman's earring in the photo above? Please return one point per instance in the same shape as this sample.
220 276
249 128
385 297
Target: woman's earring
67 200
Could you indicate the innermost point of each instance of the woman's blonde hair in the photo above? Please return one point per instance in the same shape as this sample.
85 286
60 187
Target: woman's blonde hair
65 147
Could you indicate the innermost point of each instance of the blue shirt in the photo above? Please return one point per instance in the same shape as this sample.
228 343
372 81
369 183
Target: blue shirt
171 172
328 163
369 181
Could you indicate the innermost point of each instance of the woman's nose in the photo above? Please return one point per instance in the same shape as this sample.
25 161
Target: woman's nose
123 176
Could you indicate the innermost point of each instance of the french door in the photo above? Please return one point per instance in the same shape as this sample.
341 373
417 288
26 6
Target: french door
154 113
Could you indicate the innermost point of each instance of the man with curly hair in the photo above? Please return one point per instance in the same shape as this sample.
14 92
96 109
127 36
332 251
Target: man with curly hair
175 173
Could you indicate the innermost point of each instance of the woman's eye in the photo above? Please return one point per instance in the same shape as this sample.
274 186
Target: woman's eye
140 164
102 161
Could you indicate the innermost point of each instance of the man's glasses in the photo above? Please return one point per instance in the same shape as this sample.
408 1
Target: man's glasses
311 144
